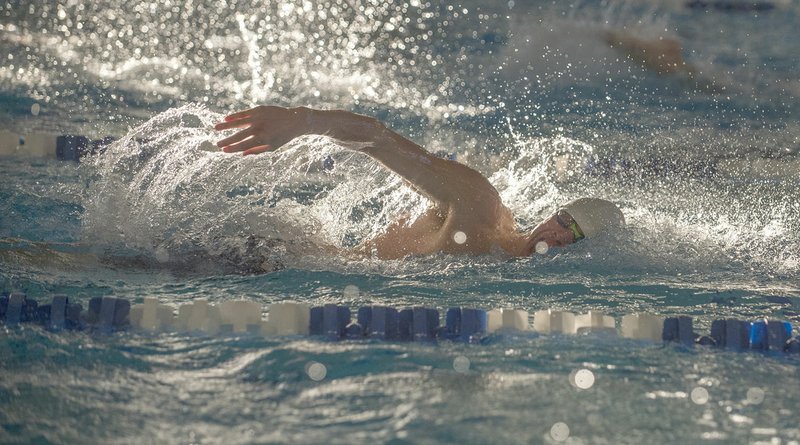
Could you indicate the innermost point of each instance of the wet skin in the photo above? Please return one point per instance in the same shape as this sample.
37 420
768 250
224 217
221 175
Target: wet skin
462 199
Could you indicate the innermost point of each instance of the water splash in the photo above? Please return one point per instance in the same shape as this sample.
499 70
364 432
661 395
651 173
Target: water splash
166 191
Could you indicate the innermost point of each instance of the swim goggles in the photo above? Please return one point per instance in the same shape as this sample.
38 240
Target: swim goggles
566 221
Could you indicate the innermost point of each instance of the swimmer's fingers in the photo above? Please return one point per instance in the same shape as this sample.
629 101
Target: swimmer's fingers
245 144
244 114
239 136
260 115
227 125
257 150
239 119
259 112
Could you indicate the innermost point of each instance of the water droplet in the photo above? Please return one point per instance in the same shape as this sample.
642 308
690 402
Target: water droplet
460 237
351 291
559 431
699 396
461 364
316 371
541 247
583 379
35 108
755 396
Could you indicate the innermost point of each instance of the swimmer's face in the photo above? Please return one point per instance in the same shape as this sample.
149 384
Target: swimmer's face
554 231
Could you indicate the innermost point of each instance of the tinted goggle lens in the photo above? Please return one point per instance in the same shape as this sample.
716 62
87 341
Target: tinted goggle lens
566 221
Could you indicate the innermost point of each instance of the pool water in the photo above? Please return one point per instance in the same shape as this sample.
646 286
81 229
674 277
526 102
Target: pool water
704 165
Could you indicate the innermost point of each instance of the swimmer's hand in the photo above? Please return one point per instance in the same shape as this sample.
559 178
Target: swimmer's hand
264 128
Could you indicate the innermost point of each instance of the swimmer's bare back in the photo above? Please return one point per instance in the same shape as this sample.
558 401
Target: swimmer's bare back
466 215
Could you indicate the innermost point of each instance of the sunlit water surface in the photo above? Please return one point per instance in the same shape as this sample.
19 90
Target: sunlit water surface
510 90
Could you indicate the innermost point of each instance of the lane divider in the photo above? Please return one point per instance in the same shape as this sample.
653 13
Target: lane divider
418 324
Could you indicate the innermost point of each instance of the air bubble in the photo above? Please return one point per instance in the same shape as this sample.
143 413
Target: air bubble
461 364
582 379
559 431
755 396
699 396
351 291
316 371
460 237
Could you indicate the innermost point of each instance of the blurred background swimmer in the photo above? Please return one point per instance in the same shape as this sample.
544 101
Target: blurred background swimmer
467 215
585 50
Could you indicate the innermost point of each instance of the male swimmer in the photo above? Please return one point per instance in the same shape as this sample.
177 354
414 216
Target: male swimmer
467 215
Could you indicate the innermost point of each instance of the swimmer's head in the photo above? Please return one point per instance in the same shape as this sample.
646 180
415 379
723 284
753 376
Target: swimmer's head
578 219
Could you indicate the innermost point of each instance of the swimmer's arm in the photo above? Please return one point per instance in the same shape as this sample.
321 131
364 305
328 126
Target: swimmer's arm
445 182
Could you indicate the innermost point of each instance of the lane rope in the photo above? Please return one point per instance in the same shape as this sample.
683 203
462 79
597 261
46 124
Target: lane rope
108 314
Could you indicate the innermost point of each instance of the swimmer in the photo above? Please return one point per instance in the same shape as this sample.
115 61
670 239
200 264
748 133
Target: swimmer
663 55
467 215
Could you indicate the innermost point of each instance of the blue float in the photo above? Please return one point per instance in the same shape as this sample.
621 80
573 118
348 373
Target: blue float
364 318
452 324
778 333
473 324
108 314
685 331
315 321
718 332
425 323
670 331
384 323
405 325
53 315
15 310
678 330
758 336
72 316
330 320
737 334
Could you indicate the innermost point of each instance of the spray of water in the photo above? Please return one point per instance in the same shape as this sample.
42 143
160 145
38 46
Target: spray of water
166 191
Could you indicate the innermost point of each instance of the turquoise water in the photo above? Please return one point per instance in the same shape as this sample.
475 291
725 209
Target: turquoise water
509 89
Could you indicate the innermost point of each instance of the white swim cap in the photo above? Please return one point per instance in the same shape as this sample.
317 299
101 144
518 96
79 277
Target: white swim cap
595 215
